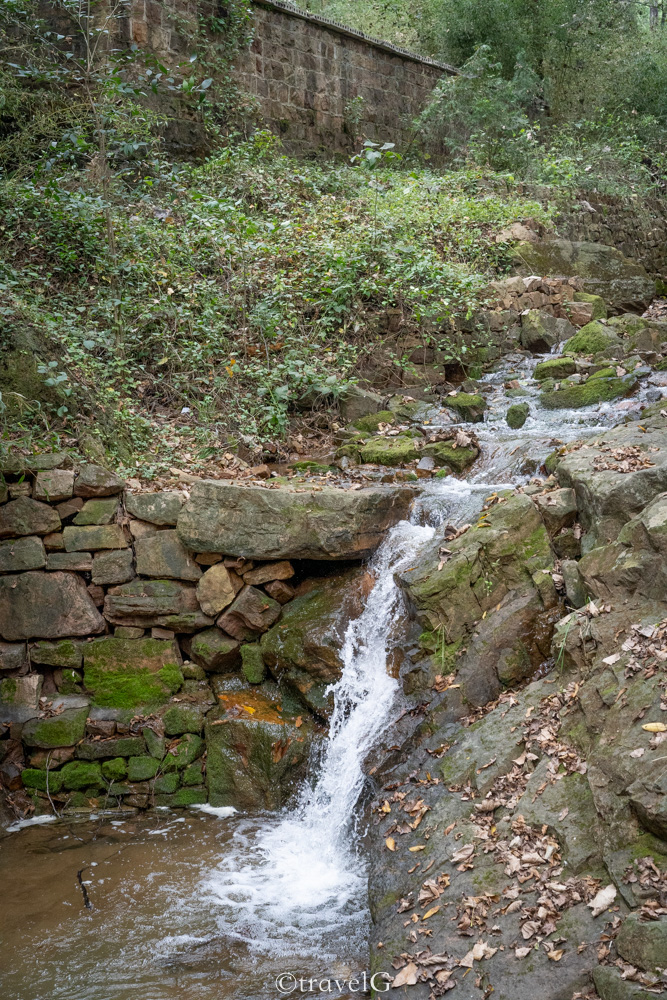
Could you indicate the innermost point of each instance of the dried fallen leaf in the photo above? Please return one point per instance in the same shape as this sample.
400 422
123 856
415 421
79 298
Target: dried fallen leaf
419 847
639 752
655 727
604 898
407 976
390 843
429 913
556 954
463 853
522 952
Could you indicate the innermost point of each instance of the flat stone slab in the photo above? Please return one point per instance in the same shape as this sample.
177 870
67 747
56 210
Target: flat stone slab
287 523
41 605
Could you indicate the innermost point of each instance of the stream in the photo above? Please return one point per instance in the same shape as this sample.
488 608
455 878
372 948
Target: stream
203 904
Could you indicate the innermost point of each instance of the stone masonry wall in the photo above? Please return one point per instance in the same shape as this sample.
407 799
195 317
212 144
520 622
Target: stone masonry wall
304 71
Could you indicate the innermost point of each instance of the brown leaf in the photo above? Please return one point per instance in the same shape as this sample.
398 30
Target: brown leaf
407 976
390 843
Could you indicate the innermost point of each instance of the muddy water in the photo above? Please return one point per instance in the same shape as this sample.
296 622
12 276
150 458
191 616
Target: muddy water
152 930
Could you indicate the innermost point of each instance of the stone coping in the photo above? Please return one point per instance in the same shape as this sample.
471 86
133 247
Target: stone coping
344 29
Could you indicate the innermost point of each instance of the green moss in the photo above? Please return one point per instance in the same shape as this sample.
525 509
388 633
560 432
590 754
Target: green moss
595 390
517 415
190 796
71 682
372 421
442 473
443 453
8 689
551 461
556 368
313 468
390 451
114 770
115 673
34 778
608 372
142 768
591 339
82 774
184 753
155 744
252 664
62 730
166 784
119 788
598 303
470 407
179 719
192 775
63 653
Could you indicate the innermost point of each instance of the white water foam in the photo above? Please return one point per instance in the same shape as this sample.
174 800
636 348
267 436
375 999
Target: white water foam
297 884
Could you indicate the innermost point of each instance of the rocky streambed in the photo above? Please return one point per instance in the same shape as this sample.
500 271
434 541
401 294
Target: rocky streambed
456 750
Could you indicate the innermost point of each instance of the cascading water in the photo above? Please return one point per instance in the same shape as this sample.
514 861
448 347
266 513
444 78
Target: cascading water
299 882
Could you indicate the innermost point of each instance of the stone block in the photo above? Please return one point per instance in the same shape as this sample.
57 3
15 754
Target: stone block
54 485
97 511
21 554
91 538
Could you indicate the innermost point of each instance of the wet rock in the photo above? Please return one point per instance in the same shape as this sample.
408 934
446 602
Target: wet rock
125 673
164 557
252 664
470 407
113 567
93 537
26 516
65 653
79 774
54 486
102 511
556 368
449 454
303 651
157 508
188 749
391 451
643 943
215 590
179 719
260 523
94 481
611 985
22 554
215 651
165 603
517 415
589 393
13 656
255 759
42 781
44 605
252 613
539 332
62 730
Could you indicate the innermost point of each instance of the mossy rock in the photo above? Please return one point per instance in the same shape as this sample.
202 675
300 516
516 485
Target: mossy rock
192 775
62 653
35 778
62 730
252 664
608 372
591 339
595 390
469 406
390 451
444 453
517 415
142 768
70 682
371 422
555 368
114 770
311 468
190 796
598 303
187 750
128 673
155 743
79 774
167 784
517 393
179 719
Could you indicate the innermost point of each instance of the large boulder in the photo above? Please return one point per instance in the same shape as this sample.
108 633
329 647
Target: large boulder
148 603
574 396
260 523
41 605
126 673
303 651
603 270
257 754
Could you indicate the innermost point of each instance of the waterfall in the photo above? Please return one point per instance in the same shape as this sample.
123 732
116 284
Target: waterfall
298 882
